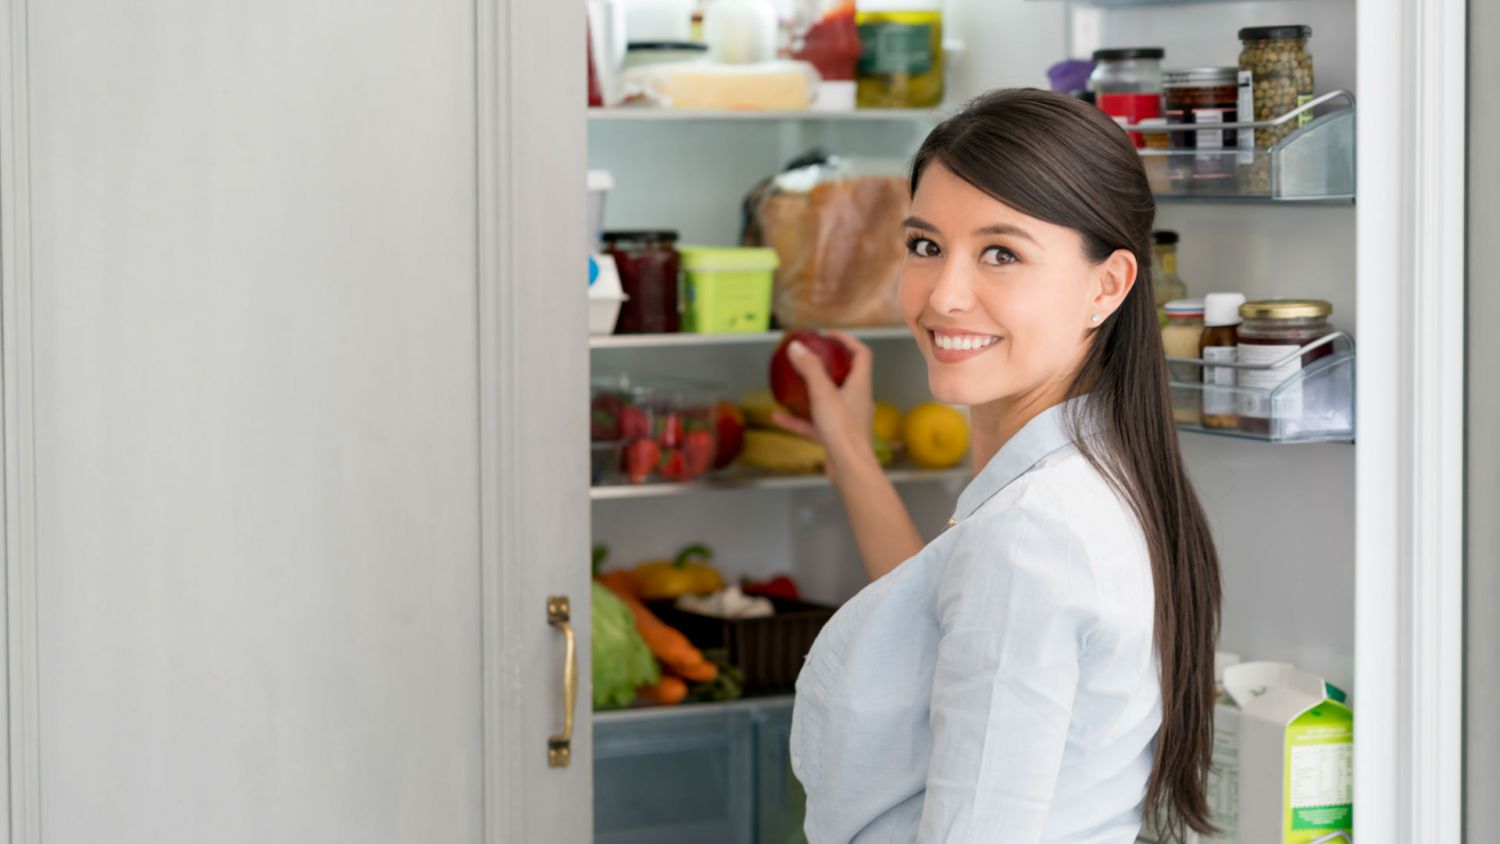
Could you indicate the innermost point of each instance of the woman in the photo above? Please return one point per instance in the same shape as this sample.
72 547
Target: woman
1043 670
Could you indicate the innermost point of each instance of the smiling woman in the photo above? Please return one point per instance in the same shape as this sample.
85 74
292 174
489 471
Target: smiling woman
1043 671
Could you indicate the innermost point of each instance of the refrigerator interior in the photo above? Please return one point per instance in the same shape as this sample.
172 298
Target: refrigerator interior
1283 515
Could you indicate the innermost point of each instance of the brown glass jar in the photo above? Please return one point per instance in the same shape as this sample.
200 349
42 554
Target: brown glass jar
648 265
1220 344
1272 330
1204 95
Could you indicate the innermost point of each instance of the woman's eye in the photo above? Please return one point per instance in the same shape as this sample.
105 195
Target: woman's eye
921 247
998 255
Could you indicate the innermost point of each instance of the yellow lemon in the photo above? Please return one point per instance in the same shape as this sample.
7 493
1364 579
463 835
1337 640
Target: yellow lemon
936 435
886 423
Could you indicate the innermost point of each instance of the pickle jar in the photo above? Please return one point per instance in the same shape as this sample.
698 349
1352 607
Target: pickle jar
1276 76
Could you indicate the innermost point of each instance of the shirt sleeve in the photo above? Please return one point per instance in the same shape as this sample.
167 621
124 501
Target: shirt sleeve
1015 607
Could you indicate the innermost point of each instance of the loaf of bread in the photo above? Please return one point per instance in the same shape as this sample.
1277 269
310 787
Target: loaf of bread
840 249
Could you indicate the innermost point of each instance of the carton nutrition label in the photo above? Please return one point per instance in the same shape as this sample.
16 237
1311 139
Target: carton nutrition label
1320 788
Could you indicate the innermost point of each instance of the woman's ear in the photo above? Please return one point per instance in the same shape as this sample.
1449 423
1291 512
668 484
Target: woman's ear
1114 278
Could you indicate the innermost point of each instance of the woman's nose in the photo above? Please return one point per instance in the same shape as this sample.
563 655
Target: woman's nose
953 293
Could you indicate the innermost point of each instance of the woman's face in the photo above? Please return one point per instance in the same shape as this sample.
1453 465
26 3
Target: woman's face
1000 303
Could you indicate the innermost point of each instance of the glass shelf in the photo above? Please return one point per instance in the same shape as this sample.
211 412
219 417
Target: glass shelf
662 341
746 478
1313 404
889 115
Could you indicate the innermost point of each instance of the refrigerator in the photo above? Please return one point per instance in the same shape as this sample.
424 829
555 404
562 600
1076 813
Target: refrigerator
1338 557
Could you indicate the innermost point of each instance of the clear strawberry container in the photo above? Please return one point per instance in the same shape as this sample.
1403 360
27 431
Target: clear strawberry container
647 429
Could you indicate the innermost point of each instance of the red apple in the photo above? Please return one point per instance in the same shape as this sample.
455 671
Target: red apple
788 386
730 425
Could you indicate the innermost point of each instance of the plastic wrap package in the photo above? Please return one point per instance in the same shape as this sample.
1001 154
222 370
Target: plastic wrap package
837 232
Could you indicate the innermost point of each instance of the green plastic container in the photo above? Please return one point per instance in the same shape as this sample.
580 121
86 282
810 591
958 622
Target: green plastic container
727 289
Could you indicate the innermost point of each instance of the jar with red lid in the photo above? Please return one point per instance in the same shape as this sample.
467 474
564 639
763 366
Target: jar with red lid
1126 84
1272 331
648 266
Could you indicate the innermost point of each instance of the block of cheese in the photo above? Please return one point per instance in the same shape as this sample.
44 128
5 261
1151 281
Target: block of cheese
707 85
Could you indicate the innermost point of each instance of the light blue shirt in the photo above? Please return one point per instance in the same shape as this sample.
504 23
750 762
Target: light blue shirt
1000 686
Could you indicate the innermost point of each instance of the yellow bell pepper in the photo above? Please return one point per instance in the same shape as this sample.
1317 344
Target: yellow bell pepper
663 580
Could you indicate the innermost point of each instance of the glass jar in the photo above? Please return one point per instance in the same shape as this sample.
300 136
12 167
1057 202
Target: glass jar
1273 330
901 54
1276 76
1203 95
648 264
1126 84
1166 284
1179 339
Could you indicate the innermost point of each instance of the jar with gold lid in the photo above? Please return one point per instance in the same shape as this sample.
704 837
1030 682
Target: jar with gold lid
1273 330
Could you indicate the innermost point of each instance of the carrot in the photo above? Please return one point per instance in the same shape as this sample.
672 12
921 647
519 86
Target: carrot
670 646
669 691
619 582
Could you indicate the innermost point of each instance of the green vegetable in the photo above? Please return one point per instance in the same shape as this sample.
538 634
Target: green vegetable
622 663
729 684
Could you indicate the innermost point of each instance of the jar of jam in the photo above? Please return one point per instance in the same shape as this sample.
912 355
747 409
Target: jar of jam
648 264
1126 84
1273 330
1203 95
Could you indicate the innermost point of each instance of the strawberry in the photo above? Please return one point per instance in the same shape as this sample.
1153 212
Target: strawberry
634 423
640 459
604 421
670 434
731 433
673 464
699 448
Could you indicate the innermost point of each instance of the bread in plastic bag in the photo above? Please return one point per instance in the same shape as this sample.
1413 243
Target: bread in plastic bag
838 236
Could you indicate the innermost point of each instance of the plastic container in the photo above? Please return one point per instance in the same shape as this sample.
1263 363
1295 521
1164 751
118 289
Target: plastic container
645 53
605 295
727 290
600 183
769 650
661 429
901 54
1180 339
648 265
1126 84
740 31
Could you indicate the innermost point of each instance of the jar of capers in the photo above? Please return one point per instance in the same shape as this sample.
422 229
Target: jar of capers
1280 77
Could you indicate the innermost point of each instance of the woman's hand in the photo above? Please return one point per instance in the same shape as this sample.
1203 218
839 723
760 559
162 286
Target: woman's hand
841 416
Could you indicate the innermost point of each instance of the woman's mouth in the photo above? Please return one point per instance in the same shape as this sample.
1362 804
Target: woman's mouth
952 347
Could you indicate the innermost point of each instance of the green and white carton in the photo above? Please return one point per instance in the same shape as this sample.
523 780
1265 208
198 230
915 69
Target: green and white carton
1295 763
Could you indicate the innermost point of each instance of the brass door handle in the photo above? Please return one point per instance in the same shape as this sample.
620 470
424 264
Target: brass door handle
560 747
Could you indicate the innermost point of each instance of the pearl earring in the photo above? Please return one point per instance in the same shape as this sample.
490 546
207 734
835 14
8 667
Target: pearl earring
1094 319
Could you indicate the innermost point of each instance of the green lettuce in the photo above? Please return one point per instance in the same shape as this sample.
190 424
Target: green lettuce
622 662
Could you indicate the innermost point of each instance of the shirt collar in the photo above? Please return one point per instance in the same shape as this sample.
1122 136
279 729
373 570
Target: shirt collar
1046 433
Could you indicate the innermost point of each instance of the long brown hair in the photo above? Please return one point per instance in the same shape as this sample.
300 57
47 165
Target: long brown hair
1061 160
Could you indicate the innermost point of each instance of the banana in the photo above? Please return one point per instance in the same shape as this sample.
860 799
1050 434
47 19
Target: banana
757 406
782 452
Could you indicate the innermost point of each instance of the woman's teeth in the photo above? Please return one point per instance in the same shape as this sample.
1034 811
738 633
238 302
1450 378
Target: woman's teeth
962 343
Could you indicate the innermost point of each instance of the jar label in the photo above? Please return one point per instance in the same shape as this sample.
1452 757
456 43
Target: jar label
1218 401
1247 111
1131 108
886 49
1257 402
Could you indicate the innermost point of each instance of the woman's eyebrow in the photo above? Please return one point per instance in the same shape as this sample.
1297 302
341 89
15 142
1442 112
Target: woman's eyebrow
915 222
1006 228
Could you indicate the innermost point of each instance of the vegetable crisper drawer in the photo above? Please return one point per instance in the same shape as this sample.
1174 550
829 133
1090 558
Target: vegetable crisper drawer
686 778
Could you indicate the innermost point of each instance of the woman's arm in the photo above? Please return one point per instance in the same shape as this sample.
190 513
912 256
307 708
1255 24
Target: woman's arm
883 529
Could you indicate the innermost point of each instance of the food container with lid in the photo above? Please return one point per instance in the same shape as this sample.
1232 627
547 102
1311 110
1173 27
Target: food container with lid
647 261
727 290
1275 76
1179 339
661 429
901 53
1273 330
1126 84
1204 95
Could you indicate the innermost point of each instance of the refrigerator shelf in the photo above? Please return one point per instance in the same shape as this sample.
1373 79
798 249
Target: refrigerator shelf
647 114
663 341
1314 163
1314 403
736 479
647 714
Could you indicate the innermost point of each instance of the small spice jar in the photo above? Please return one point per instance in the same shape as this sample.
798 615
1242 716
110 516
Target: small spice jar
1221 320
648 265
1274 330
1276 76
1126 83
1179 339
